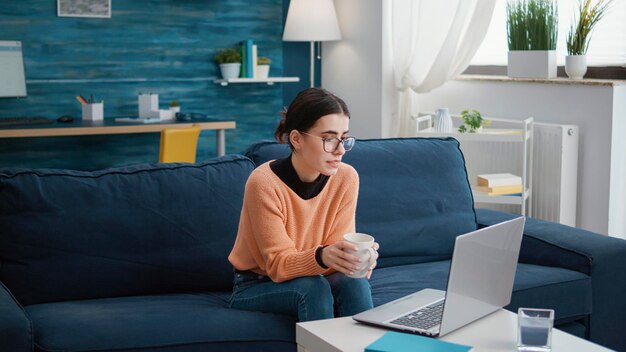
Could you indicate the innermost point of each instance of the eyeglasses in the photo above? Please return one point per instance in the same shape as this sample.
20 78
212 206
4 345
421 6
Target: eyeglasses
331 144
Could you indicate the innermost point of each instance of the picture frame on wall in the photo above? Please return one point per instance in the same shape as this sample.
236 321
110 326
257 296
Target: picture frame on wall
84 8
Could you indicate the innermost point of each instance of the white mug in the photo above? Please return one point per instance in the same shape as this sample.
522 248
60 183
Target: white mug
365 251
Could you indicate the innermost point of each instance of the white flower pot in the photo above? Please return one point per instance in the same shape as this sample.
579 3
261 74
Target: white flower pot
174 109
532 64
230 70
263 71
576 66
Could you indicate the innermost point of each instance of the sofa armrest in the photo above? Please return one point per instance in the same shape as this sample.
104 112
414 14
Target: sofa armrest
15 329
601 257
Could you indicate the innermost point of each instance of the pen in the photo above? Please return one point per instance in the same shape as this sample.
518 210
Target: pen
91 99
81 99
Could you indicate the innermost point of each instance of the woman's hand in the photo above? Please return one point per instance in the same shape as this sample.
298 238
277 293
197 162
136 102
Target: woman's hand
338 256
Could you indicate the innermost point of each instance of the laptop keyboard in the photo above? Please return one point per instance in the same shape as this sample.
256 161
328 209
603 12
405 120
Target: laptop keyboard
423 318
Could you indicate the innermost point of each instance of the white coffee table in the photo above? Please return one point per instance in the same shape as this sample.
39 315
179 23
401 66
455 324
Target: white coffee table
495 332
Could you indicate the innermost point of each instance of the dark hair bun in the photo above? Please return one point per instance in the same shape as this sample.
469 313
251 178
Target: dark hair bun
304 111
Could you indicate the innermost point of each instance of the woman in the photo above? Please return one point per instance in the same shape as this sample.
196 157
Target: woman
289 255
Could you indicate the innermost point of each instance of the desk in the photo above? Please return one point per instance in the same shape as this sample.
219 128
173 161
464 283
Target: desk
82 128
493 333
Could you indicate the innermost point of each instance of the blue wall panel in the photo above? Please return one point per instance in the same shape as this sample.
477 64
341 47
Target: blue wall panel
164 47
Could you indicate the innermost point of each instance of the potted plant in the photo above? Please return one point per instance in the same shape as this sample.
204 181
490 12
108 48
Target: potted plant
472 121
580 34
174 106
263 66
230 62
532 28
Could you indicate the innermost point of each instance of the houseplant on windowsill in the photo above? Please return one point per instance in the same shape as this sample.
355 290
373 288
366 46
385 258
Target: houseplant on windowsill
532 33
580 34
263 67
230 62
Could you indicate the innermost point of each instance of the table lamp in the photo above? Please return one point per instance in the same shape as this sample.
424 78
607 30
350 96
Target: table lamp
311 21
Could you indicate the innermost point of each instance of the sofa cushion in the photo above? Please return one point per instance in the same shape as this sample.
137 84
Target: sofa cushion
567 292
191 322
136 230
414 196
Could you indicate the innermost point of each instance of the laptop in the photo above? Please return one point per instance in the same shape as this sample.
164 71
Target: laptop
480 282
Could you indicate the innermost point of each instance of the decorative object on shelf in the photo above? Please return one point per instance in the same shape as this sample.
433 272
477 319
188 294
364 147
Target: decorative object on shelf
443 121
230 62
174 106
263 67
472 121
532 28
311 21
248 59
580 34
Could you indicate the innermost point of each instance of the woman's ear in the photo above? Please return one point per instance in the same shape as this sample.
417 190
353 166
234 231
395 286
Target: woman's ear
296 139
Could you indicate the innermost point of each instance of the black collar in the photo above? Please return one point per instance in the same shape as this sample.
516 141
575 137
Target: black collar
283 168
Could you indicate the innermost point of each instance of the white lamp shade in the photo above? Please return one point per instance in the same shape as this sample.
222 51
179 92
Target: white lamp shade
311 21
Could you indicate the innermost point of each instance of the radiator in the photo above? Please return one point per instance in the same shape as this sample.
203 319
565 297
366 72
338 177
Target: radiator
552 174
555 173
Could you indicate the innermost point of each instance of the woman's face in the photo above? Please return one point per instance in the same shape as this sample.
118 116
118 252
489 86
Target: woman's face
309 158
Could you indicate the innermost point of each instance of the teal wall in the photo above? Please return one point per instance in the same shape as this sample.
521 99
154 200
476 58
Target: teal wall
165 47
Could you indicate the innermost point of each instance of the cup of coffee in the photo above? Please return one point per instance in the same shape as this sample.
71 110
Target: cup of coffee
365 251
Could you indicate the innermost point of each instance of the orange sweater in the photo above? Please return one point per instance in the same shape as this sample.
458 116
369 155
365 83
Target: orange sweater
279 231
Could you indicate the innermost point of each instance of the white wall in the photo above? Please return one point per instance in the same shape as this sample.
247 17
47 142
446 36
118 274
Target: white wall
352 67
617 201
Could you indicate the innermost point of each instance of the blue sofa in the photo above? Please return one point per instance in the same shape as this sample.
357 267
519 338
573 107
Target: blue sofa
135 258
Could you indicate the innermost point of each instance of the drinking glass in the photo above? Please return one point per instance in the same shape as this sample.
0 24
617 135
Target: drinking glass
534 329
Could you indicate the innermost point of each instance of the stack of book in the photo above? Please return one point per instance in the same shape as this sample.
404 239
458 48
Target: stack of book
498 185
248 58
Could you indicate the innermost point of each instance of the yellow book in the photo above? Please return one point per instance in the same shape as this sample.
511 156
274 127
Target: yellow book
498 191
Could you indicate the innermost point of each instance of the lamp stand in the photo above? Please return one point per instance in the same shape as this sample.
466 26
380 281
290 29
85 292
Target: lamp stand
312 71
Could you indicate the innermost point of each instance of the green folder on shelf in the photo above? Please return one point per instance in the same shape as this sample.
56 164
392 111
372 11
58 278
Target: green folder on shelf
399 342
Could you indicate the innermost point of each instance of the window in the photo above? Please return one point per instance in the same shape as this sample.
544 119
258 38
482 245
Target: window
607 46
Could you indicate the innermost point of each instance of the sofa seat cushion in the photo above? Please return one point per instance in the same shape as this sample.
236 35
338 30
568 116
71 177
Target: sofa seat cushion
200 321
567 292
414 197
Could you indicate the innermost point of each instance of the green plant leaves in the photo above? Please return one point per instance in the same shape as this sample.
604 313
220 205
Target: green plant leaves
227 56
588 16
532 24
472 121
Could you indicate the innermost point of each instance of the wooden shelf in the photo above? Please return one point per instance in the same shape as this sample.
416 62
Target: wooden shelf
270 81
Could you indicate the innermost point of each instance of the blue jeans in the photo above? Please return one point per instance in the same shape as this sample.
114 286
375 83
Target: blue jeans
308 297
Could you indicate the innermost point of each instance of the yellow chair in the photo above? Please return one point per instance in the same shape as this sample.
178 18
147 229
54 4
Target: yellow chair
178 145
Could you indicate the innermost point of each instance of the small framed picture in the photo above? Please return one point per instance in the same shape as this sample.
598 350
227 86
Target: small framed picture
84 8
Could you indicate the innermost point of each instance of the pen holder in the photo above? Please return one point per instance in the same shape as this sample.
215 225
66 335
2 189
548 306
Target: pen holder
93 111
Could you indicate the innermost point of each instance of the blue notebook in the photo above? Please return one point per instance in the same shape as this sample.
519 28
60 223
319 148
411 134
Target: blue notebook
399 342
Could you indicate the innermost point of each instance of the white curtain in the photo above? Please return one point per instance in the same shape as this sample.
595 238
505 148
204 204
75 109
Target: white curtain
432 42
